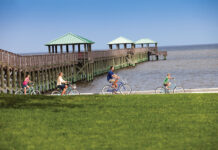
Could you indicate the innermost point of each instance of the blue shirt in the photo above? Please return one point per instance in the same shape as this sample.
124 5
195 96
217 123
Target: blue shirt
109 75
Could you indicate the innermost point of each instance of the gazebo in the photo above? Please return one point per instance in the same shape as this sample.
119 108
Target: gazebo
145 41
121 40
68 40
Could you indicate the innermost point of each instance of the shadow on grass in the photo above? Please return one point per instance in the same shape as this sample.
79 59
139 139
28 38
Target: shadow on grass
39 102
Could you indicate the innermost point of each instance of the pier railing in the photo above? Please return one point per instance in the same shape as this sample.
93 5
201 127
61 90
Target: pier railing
41 60
102 54
115 53
109 53
14 60
139 50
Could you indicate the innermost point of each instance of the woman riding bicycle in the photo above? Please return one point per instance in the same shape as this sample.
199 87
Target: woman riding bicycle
61 83
25 83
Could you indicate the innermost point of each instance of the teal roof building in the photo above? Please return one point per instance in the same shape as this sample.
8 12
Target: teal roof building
68 40
145 41
120 40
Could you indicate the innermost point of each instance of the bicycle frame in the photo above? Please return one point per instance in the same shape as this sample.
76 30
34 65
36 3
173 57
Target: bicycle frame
28 90
173 84
120 83
69 88
171 87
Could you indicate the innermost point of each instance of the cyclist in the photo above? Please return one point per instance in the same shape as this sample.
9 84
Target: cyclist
112 78
167 83
61 83
25 83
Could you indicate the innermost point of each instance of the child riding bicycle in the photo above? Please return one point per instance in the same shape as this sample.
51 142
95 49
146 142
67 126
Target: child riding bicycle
25 83
167 82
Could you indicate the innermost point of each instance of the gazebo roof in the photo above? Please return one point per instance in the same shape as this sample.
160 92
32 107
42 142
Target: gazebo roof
70 38
145 41
121 40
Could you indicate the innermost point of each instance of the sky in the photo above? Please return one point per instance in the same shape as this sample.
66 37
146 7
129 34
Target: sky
27 25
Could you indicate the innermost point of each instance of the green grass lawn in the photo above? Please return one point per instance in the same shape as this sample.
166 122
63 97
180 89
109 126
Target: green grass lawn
183 121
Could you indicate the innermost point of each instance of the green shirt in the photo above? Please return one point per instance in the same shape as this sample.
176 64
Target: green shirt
166 80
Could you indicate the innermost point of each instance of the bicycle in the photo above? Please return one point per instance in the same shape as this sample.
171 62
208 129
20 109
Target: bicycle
122 88
173 88
71 90
31 90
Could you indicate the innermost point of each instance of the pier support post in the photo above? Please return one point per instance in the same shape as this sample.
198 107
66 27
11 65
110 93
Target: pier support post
92 72
73 48
78 48
67 49
33 78
69 73
43 80
19 78
2 78
49 79
53 77
61 48
13 80
24 75
46 79
87 72
149 56
49 49
52 48
56 49
38 80
74 73
8 79
94 68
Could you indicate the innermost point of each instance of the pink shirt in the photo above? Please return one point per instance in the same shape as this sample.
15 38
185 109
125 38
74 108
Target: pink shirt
26 81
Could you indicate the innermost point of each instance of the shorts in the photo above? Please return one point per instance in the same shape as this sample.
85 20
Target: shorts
165 84
111 80
24 86
62 86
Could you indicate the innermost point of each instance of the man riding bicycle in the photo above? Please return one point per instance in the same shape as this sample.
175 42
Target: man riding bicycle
112 78
167 83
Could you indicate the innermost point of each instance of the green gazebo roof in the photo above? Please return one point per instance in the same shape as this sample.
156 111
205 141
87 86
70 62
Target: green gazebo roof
145 41
121 40
70 38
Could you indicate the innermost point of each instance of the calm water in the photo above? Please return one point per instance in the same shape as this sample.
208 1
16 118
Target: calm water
193 67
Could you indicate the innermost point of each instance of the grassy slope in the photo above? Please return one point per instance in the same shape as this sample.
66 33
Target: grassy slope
186 121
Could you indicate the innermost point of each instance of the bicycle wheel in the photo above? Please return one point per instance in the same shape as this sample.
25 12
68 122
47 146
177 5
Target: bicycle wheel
56 93
125 89
160 90
74 92
178 90
19 92
36 92
107 90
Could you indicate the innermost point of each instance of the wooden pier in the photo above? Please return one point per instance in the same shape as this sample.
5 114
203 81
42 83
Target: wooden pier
76 66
